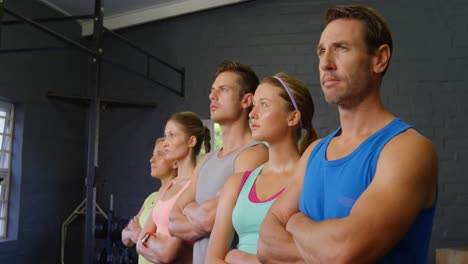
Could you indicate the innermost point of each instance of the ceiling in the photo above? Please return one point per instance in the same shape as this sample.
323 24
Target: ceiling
125 13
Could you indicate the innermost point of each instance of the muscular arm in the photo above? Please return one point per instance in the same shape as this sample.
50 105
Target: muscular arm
403 185
275 244
160 249
202 216
197 220
235 256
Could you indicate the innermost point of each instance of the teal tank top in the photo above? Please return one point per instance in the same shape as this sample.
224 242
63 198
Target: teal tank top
248 214
213 174
331 187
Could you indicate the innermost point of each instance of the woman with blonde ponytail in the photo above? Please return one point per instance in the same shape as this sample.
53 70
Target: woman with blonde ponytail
184 136
283 108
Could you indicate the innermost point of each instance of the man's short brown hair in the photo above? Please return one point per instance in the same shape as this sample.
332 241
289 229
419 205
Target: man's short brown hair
376 30
248 79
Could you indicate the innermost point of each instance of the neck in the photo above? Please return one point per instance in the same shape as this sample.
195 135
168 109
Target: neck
235 135
166 180
282 156
365 118
185 168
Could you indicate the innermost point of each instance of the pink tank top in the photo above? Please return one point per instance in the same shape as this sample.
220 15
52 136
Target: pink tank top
162 209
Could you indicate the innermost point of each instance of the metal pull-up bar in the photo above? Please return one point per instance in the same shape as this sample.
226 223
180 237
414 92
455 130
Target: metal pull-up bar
36 24
50 32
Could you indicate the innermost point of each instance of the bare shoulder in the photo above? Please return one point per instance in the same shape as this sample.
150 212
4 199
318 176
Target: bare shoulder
251 157
410 159
257 149
233 182
408 147
409 136
236 178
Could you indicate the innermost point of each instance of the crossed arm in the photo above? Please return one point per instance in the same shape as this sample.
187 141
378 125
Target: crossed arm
276 244
159 248
403 185
131 232
223 230
190 220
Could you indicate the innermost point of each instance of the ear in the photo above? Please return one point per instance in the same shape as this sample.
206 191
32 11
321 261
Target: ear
381 59
246 100
192 141
294 118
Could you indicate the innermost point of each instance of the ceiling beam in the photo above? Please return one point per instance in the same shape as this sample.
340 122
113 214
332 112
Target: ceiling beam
156 12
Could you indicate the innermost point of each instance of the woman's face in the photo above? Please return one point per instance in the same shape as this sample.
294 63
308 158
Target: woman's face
160 166
176 142
270 115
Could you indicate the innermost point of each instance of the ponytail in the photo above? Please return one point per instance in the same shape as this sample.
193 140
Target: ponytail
207 139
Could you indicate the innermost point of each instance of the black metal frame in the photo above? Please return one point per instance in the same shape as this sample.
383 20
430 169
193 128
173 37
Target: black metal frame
48 31
48 19
1 19
95 101
91 52
93 133
149 57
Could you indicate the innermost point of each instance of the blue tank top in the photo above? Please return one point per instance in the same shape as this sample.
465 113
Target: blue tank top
332 187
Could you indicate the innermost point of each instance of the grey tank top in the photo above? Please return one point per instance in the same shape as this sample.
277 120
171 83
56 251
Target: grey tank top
213 174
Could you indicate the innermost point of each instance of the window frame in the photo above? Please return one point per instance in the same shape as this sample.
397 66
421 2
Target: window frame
6 154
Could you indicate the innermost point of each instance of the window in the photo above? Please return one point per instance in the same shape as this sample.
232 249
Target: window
6 138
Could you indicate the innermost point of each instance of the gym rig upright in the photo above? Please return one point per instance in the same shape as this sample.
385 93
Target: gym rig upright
95 52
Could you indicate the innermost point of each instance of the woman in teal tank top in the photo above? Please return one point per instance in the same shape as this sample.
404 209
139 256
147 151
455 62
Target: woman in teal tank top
283 108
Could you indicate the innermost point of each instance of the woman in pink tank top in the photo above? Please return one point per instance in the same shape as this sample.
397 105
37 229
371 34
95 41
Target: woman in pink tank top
184 135
283 108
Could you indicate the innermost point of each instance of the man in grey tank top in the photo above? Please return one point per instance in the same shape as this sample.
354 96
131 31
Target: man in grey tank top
193 215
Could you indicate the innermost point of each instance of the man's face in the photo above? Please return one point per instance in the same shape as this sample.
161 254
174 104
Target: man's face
345 64
226 98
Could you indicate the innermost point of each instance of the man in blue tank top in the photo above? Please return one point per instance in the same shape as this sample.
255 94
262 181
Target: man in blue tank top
366 193
193 215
